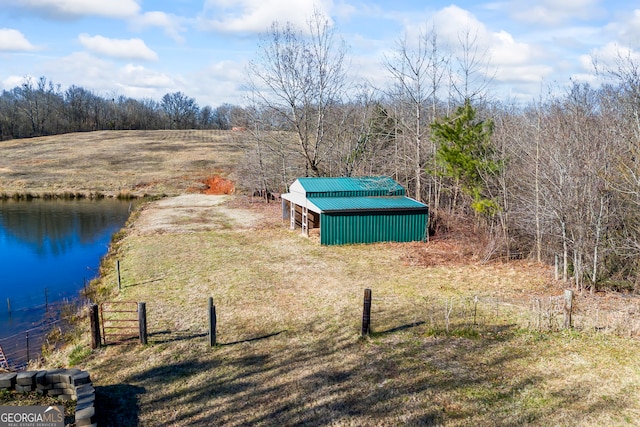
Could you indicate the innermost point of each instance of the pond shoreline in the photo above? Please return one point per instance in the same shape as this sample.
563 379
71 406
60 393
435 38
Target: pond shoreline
55 248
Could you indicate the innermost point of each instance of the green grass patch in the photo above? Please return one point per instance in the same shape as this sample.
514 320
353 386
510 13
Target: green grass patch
78 355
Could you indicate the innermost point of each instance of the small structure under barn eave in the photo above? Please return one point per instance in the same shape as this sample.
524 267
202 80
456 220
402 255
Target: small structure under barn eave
355 210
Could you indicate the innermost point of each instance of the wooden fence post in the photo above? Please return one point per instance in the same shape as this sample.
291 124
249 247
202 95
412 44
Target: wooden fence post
366 313
568 308
212 323
142 321
475 310
94 317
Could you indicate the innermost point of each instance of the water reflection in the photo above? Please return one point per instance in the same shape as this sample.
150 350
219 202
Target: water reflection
52 227
49 249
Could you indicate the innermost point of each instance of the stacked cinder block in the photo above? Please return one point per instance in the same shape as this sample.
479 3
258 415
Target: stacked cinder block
64 384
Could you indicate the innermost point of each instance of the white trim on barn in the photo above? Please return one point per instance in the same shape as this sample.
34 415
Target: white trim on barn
297 196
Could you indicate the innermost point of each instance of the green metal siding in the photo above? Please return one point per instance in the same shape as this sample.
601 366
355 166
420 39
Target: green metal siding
372 227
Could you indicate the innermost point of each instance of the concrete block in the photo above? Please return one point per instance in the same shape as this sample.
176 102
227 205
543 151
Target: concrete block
86 416
26 378
67 374
8 380
81 378
53 376
41 378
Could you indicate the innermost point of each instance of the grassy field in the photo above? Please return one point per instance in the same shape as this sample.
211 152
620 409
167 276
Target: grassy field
290 351
115 163
289 310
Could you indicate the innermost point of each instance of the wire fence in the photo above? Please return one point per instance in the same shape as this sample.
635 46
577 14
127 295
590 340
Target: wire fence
46 327
36 299
21 348
615 314
612 314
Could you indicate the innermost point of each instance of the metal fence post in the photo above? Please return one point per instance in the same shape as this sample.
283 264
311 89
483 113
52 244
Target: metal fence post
212 323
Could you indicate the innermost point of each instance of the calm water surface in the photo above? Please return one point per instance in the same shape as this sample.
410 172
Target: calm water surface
48 249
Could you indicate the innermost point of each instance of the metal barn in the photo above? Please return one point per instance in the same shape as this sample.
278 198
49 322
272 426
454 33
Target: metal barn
355 210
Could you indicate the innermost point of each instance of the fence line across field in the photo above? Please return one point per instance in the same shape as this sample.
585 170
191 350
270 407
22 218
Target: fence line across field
548 313
441 314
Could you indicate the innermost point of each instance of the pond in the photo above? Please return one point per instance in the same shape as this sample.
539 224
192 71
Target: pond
49 250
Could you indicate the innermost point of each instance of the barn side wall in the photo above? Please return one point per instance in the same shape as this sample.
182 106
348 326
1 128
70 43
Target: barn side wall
340 229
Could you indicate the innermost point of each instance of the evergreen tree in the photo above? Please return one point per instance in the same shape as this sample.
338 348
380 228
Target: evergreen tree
465 153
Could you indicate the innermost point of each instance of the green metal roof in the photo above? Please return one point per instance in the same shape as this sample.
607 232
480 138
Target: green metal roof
360 186
346 204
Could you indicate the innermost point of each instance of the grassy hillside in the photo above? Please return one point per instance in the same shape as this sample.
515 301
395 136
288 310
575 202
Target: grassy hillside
116 162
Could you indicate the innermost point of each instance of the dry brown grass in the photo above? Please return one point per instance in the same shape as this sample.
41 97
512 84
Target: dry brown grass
116 162
289 310
289 349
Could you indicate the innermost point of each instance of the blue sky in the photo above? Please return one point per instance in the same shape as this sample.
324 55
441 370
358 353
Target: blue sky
144 48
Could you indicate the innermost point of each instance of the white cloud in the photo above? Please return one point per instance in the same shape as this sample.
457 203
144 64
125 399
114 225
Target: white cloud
450 22
172 25
254 16
552 12
14 81
81 69
138 76
514 66
219 82
498 49
108 78
610 56
14 40
118 48
506 51
523 74
77 8
627 29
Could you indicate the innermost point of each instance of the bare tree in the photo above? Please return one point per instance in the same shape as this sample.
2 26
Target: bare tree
181 110
417 68
300 77
472 69
41 105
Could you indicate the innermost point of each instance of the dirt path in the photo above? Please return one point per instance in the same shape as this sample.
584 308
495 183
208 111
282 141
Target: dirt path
193 213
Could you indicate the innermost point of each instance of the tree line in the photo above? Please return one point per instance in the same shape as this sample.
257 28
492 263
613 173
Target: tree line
39 108
554 180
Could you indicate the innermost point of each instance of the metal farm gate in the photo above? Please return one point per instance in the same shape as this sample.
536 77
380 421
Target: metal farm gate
123 321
